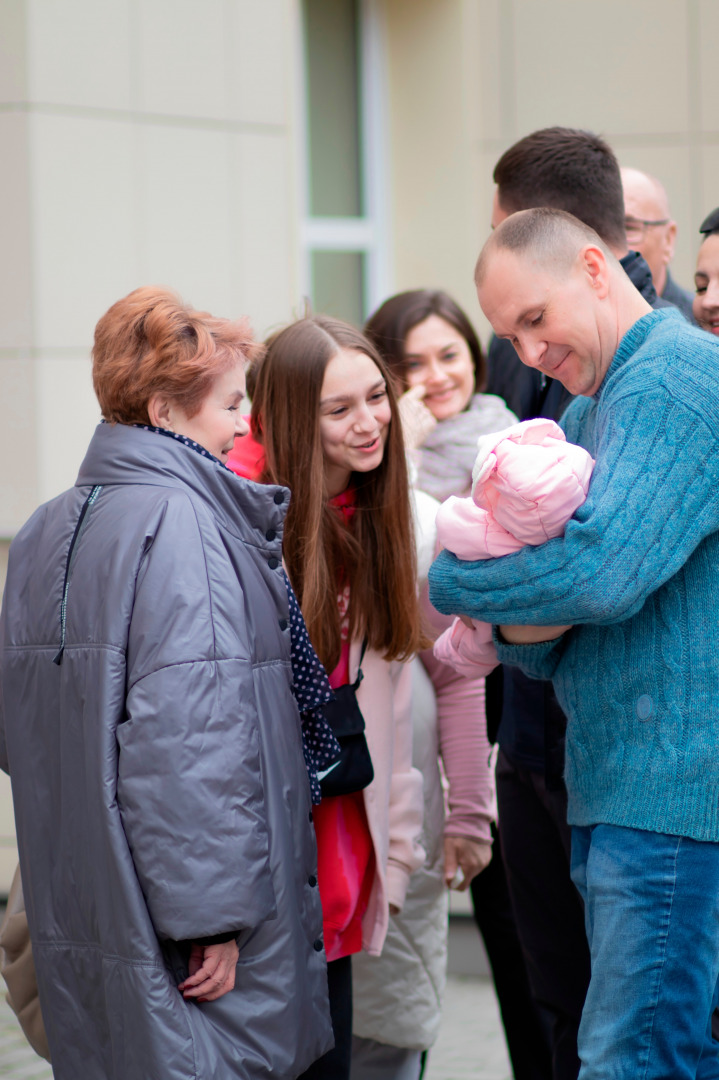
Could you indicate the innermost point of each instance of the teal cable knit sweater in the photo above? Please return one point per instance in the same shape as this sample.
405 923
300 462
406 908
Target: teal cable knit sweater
637 576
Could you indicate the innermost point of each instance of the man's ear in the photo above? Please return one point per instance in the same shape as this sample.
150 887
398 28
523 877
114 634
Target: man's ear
160 411
670 239
597 269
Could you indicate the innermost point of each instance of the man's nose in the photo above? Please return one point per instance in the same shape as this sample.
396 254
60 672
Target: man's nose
531 352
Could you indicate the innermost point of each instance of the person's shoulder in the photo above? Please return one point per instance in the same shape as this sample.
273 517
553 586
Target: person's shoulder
667 355
680 298
493 411
671 337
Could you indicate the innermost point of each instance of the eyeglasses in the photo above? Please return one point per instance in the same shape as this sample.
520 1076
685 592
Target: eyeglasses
636 228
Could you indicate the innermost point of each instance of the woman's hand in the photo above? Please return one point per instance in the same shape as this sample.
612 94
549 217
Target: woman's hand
417 420
530 635
469 856
212 971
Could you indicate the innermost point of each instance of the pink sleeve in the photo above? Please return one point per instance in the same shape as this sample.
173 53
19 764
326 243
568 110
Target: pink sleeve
467 650
464 749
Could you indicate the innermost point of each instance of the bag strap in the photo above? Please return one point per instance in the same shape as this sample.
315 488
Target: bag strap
360 673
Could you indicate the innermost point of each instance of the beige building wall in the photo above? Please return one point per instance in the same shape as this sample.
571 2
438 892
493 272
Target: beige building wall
156 141
143 141
470 77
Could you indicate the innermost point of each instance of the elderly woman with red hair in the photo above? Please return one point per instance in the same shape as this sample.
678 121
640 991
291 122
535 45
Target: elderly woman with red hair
150 722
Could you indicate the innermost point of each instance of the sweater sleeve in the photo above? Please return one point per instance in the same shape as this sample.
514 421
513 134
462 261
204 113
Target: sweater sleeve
464 749
653 498
539 660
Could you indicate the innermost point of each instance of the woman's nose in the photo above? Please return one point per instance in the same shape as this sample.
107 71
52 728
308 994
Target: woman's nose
364 418
434 372
711 296
241 426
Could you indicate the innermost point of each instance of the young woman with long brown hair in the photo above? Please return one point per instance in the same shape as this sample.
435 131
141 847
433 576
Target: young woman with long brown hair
437 365
326 415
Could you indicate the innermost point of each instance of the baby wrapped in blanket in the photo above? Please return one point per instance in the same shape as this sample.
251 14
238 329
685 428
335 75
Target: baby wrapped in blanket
527 483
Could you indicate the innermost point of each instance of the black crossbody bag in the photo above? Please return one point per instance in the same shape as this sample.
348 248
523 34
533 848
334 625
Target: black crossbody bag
352 771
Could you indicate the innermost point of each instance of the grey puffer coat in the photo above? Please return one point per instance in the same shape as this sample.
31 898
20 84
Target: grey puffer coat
158 779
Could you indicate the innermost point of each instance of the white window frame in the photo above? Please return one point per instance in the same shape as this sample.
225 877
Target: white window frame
369 234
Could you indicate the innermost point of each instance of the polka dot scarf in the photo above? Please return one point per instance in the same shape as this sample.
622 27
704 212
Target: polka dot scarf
185 442
310 684
311 690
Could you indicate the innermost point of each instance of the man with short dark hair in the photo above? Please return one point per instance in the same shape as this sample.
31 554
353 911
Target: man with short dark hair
652 232
575 171
621 614
568 169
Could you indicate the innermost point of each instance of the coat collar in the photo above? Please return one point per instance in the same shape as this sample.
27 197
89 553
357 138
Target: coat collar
119 454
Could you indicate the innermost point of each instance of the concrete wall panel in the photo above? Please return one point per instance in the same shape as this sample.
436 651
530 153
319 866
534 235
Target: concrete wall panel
708 75
67 414
258 65
612 67
79 53
84 224
182 68
185 198
15 235
13 51
19 443
263 227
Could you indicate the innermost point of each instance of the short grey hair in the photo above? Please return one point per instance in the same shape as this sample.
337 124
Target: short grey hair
554 235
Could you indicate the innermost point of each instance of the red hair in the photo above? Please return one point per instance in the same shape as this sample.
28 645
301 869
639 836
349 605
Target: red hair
151 342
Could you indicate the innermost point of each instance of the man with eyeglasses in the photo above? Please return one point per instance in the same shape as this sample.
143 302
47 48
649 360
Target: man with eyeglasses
652 232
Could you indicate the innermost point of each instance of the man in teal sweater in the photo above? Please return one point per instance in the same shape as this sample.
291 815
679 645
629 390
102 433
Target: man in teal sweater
621 614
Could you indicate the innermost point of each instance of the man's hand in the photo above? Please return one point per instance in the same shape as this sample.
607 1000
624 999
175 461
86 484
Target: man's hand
469 856
530 635
212 971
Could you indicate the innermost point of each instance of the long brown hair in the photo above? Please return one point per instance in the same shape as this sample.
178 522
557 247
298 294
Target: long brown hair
376 554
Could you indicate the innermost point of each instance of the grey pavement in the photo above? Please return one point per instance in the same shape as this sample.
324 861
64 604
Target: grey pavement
470 1045
471 1042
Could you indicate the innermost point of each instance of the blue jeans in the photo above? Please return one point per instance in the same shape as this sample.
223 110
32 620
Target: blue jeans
652 916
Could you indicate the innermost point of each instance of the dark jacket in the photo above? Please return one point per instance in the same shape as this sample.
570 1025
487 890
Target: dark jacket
522 713
157 771
681 298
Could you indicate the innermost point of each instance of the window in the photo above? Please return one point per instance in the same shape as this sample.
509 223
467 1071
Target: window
344 235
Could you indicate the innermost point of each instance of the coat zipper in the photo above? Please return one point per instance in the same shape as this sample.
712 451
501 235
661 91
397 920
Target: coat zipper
81 522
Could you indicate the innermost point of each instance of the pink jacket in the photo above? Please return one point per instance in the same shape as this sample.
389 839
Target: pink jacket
393 801
527 483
